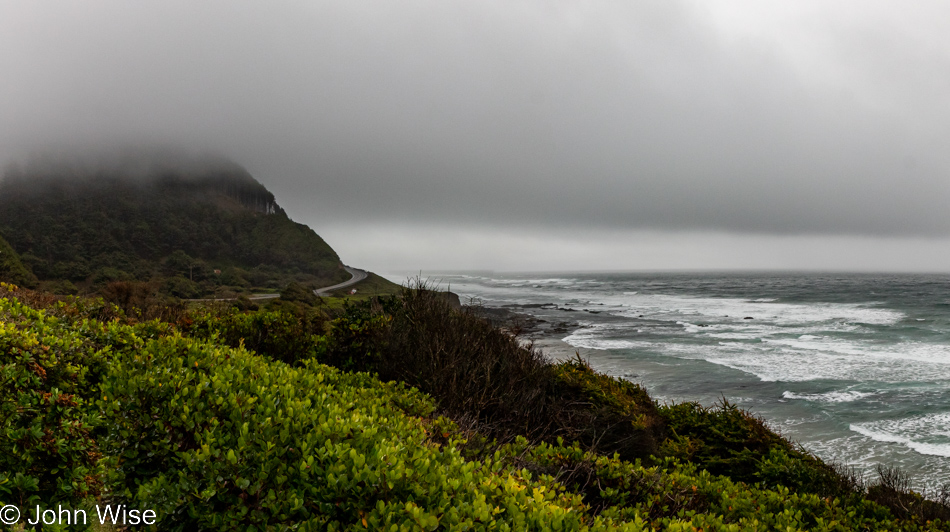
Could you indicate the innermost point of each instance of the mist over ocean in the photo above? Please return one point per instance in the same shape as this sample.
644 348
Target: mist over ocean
854 367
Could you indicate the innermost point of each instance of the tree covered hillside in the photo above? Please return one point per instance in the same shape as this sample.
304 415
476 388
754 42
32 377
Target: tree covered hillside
194 226
12 269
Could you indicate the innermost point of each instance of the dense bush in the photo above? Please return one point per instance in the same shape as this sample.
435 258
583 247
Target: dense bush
142 301
892 490
296 292
289 336
479 374
671 493
726 440
215 437
47 371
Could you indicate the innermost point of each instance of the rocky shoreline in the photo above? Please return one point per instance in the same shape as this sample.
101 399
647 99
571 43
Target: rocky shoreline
514 320
543 334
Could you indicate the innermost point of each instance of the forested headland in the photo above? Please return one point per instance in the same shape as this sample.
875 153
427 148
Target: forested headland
202 227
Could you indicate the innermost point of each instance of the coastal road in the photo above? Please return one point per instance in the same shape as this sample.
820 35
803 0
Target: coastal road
358 275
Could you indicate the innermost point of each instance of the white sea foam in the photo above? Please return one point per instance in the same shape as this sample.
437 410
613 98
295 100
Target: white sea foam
801 363
788 360
928 434
680 308
591 343
773 352
531 282
829 397
599 336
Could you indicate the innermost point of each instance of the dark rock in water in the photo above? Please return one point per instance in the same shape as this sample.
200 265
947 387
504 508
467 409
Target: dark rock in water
492 313
563 327
748 318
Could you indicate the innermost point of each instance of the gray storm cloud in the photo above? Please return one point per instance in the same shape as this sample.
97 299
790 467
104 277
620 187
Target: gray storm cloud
794 118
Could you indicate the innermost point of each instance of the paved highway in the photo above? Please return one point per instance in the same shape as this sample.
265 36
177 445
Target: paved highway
358 275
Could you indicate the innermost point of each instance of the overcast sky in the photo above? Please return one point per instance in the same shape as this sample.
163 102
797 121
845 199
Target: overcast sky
526 135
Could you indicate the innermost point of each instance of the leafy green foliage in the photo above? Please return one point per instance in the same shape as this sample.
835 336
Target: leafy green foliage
727 440
624 415
286 336
674 496
47 368
216 437
296 292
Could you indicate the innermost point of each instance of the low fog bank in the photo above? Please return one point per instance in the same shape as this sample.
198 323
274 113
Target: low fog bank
406 250
127 162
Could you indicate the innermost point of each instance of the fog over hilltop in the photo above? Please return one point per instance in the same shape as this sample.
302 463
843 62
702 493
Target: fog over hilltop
526 135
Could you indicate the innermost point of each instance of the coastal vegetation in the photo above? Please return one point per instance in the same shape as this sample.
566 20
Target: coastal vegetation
395 413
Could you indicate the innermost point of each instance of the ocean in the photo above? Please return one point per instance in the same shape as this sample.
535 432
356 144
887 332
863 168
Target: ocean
854 367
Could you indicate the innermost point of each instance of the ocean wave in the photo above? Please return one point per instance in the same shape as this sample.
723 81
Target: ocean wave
791 362
686 308
803 358
829 397
590 343
530 282
928 434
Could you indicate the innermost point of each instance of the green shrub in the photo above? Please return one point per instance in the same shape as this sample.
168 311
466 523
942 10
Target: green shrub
676 496
214 437
724 439
296 292
48 372
181 287
607 414
727 440
290 337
